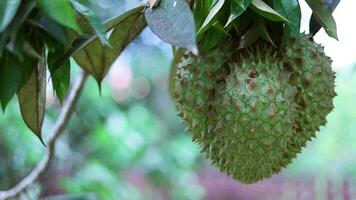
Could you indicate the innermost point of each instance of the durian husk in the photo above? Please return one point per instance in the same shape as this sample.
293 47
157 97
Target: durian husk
252 110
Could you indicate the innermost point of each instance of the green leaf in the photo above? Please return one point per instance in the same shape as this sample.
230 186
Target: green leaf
242 24
262 30
13 75
173 22
32 99
61 12
84 40
266 11
50 43
324 17
96 58
291 9
61 77
31 51
8 10
201 11
11 31
237 8
219 27
16 43
49 26
213 36
213 12
93 20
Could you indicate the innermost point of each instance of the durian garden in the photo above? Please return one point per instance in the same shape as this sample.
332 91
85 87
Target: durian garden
249 86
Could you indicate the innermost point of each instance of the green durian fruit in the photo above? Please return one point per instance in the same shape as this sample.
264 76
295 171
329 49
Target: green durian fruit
253 110
314 79
239 107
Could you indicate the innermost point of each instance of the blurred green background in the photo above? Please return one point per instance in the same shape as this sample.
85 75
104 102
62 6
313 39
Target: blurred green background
128 143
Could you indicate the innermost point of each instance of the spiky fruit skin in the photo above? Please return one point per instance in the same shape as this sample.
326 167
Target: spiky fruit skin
240 110
253 110
314 79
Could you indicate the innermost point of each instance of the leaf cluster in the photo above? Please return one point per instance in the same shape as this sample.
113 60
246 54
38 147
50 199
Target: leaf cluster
248 20
39 36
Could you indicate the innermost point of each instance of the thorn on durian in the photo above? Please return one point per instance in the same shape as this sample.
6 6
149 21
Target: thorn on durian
235 131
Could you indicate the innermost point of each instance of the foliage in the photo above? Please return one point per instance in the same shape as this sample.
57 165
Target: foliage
252 19
37 36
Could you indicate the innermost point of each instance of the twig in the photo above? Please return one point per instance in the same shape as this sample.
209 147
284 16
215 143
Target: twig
59 126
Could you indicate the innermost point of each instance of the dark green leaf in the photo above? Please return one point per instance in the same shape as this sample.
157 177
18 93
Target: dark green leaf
32 99
84 40
20 17
219 27
209 19
16 43
242 24
93 20
291 10
50 43
13 75
61 77
266 11
278 33
237 8
314 25
201 11
61 12
262 30
97 59
77 45
30 51
213 36
173 22
49 26
8 10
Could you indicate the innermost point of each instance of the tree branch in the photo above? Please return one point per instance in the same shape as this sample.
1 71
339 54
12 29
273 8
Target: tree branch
59 126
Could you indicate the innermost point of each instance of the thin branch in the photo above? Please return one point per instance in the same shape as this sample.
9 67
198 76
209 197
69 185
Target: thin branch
62 121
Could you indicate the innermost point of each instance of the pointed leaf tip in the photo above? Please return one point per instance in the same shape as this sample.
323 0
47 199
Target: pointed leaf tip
212 13
266 11
322 14
32 99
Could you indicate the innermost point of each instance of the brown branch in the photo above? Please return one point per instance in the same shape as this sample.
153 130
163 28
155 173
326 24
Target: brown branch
61 123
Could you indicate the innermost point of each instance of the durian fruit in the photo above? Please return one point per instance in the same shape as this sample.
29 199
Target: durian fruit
314 79
253 110
239 108
196 82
